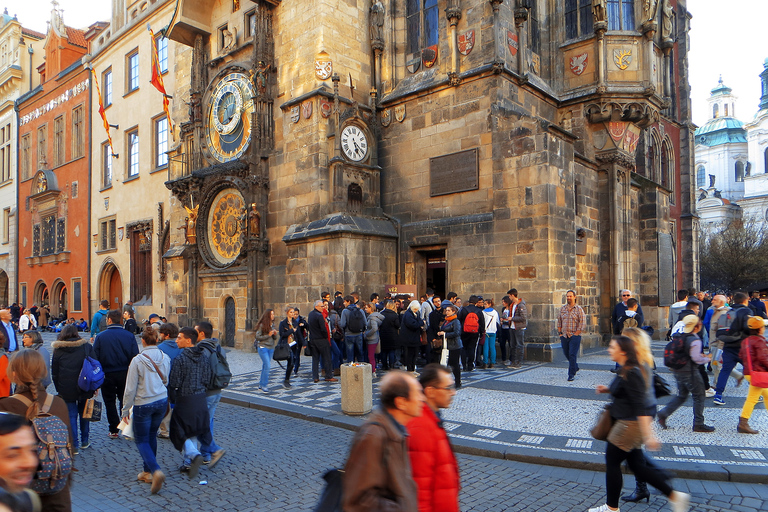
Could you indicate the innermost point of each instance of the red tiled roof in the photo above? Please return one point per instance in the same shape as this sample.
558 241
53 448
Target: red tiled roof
31 33
76 37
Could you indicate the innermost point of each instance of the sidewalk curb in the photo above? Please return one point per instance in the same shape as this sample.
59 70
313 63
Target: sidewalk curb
588 462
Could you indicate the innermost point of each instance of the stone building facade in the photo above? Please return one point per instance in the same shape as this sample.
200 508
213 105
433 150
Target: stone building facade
468 145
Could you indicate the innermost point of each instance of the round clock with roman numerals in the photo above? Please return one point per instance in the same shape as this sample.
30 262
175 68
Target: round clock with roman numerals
229 117
354 143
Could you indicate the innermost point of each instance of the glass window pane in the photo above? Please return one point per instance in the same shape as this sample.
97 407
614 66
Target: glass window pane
571 19
411 7
586 19
413 33
614 15
431 25
133 143
628 14
162 141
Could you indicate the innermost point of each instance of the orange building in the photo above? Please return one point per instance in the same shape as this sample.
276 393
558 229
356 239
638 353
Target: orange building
54 178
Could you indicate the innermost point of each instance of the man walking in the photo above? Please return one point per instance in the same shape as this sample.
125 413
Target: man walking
571 322
320 343
378 471
210 346
621 307
168 334
472 326
353 323
99 321
518 323
11 343
732 339
190 372
114 349
433 462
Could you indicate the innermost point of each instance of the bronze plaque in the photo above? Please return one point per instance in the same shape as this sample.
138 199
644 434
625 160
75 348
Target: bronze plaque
457 172
667 289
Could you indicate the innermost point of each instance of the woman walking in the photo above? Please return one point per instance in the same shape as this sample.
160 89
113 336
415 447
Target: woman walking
28 370
129 321
34 340
266 340
145 391
388 334
410 334
451 329
754 355
633 397
373 323
69 352
289 332
491 325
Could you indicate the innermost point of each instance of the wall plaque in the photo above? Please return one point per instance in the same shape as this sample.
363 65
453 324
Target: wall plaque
457 172
667 289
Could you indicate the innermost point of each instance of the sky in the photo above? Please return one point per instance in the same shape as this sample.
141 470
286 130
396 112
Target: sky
727 39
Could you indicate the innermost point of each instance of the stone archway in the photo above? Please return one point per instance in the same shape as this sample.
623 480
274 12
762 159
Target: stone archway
39 295
110 285
5 299
58 299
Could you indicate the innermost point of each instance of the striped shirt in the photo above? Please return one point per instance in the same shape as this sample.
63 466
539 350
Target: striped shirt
571 320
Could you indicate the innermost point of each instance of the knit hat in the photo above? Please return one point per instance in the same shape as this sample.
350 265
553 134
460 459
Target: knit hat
755 322
690 322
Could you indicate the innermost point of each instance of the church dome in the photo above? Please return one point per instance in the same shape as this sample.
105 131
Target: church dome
721 130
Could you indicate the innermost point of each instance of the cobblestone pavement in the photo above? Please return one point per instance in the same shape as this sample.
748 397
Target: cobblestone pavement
275 462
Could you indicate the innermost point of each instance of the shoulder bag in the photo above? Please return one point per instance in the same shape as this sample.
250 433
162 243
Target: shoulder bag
604 424
757 379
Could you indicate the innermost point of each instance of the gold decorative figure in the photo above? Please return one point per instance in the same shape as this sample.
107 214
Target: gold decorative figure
254 221
191 224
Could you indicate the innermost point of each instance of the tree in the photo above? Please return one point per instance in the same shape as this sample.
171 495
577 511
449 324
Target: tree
734 257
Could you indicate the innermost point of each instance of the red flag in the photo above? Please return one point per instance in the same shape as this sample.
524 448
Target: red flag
157 80
103 113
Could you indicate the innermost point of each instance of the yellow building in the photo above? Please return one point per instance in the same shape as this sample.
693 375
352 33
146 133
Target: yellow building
129 203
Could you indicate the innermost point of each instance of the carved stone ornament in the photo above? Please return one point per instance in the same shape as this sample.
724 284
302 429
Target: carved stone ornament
466 42
616 130
326 107
120 233
400 113
535 63
295 114
414 64
306 109
376 26
386 117
578 63
323 66
622 57
429 56
512 42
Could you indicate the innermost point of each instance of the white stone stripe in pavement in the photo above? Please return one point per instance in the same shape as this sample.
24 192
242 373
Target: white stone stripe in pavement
486 432
748 454
531 439
578 443
448 426
693 451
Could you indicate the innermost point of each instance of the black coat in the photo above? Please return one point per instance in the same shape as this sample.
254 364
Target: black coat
67 361
436 319
131 326
410 329
318 328
388 330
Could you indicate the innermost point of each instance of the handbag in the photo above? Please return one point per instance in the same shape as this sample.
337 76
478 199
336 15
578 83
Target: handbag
604 424
282 352
92 410
444 353
423 337
378 347
757 379
660 386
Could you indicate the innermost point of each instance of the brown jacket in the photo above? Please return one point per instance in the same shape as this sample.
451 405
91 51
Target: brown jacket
521 315
378 472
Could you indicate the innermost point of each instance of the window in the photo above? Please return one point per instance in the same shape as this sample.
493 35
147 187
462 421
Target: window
250 23
715 111
141 264
106 83
42 146
664 180
26 156
765 161
162 53
106 165
6 225
107 234
725 113
739 171
75 186
133 153
59 156
421 24
78 143
533 27
578 18
23 292
132 71
621 14
46 236
5 153
61 235
701 176
77 295
161 142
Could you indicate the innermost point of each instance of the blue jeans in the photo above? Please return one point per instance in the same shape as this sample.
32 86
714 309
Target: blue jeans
190 449
354 344
266 361
146 421
489 347
76 410
571 346
730 358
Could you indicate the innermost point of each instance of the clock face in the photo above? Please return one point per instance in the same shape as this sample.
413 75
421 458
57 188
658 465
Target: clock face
225 226
354 143
229 117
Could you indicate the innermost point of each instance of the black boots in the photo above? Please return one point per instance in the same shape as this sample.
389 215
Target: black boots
641 493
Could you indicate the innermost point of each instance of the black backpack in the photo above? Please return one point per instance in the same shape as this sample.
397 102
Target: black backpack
677 353
222 375
356 321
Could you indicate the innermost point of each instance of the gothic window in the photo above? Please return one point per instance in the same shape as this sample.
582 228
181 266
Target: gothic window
421 18
739 171
26 156
533 24
621 14
354 198
141 264
58 141
666 153
701 176
78 146
578 18
654 158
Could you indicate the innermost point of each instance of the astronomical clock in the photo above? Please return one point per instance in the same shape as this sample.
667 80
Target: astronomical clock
226 226
228 120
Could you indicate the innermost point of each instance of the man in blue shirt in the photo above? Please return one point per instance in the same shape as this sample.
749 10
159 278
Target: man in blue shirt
96 323
11 345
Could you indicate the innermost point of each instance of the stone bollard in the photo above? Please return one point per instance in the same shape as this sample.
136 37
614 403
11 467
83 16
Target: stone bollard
356 389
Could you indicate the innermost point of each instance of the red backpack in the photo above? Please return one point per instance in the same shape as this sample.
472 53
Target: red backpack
472 323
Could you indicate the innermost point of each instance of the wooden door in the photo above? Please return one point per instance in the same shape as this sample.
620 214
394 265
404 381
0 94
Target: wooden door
115 290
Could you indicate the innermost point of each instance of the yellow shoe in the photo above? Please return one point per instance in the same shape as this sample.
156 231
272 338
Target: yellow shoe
144 477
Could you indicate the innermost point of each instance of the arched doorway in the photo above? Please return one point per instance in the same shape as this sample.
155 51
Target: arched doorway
58 300
230 322
40 295
111 285
5 300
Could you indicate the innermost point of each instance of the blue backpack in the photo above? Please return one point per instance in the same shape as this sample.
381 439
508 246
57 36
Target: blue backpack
91 375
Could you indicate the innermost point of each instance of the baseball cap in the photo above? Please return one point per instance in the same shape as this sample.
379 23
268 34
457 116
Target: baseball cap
755 322
690 322
154 315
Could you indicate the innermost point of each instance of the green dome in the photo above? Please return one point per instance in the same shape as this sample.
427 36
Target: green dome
722 130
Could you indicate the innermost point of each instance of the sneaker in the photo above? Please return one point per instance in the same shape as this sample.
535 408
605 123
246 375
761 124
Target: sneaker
570 379
75 451
85 446
603 508
681 501
206 460
718 400
703 428
158 477
216 457
145 477
264 390
709 393
194 467
113 435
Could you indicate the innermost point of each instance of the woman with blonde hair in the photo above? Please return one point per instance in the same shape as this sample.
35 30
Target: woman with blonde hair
642 345
27 369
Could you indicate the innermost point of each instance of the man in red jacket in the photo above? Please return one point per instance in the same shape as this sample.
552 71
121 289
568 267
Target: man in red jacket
433 462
